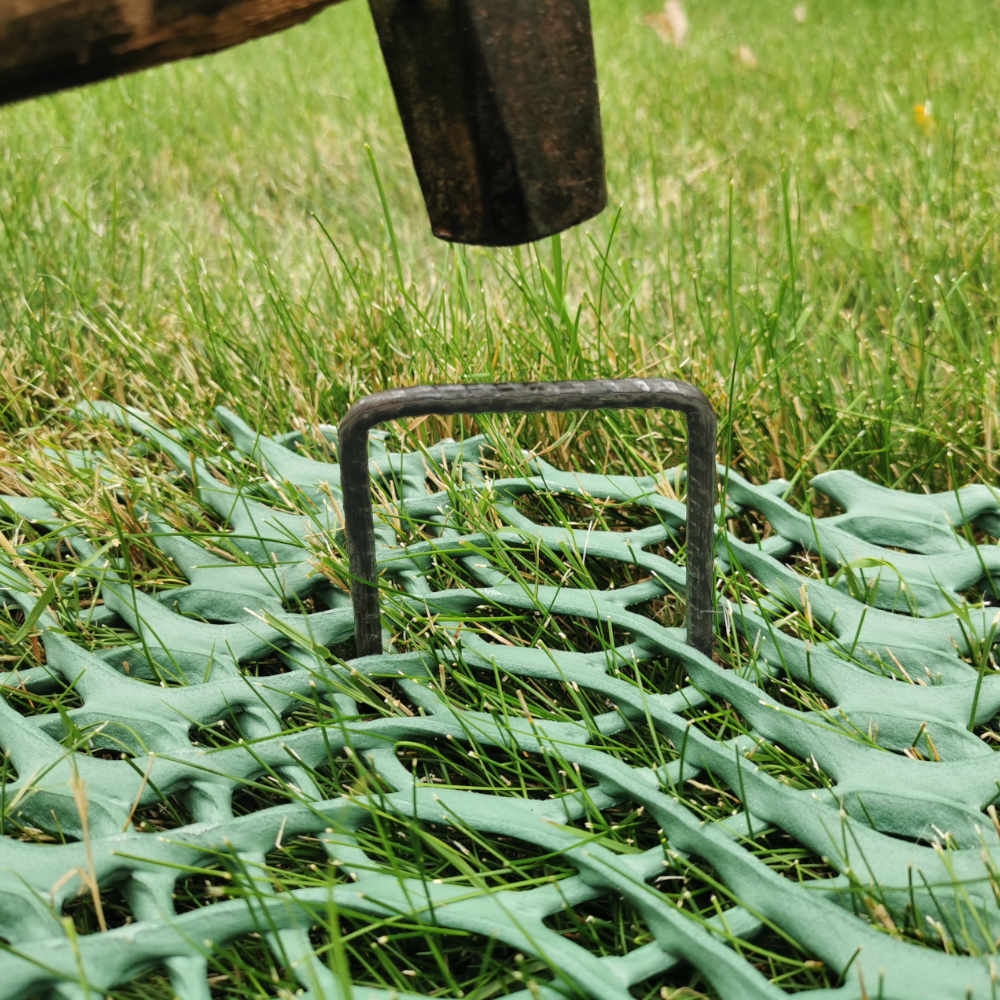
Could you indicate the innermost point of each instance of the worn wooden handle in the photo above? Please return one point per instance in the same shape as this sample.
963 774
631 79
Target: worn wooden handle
48 45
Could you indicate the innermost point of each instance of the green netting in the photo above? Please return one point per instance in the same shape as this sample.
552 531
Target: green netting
899 659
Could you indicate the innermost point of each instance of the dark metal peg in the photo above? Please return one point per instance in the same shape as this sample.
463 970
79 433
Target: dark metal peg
500 107
530 397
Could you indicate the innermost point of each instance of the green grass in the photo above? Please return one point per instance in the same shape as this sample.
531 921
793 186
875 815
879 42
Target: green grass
211 231
791 238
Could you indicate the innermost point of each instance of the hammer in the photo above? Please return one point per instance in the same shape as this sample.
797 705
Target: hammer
498 97
500 108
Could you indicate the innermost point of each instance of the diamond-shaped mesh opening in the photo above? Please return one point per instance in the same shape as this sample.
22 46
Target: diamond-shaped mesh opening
163 813
536 792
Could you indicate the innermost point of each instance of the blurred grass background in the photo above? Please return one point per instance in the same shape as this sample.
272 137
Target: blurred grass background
802 223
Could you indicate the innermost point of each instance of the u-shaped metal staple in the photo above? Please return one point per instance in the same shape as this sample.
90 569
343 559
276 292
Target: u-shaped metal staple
530 397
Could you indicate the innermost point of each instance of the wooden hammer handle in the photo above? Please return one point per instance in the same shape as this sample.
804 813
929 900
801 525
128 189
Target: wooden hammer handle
48 45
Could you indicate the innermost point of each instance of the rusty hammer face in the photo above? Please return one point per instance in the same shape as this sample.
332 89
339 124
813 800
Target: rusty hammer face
500 108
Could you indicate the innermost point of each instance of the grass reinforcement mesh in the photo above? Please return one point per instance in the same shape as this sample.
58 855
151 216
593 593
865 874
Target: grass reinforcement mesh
540 791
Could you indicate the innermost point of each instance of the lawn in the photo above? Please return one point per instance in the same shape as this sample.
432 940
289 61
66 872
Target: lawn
802 222
793 238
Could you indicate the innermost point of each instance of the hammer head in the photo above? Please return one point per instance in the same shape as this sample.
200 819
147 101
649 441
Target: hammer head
499 104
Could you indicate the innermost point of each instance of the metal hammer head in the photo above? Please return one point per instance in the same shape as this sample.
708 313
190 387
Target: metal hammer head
499 104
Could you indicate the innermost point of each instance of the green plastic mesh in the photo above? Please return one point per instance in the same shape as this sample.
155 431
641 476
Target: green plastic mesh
903 676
